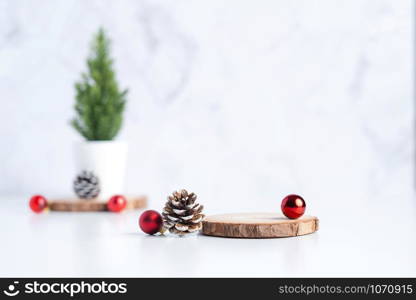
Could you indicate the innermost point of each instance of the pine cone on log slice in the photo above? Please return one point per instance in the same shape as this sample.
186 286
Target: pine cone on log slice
182 214
86 185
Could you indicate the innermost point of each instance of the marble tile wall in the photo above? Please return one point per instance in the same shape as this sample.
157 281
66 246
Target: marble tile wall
240 101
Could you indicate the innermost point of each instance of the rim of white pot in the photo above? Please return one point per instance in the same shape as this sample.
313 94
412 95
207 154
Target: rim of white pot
102 142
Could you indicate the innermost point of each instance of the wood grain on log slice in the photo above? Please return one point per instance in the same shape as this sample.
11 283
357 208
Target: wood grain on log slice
135 202
258 225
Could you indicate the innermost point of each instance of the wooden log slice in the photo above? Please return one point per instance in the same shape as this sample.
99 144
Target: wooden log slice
135 202
258 225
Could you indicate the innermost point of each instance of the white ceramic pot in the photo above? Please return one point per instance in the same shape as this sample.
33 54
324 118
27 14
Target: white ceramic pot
107 159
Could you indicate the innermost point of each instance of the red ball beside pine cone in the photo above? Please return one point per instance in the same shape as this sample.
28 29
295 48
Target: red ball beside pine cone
151 222
117 203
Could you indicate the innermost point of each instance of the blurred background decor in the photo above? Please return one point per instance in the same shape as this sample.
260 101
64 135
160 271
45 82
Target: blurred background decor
99 110
242 101
86 185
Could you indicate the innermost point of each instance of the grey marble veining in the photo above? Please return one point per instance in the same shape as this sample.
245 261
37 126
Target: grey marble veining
239 101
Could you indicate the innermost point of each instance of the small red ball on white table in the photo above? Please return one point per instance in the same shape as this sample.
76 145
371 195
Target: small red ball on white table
151 222
38 203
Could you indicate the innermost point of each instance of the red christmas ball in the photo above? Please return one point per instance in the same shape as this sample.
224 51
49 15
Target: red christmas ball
38 203
293 206
116 203
151 222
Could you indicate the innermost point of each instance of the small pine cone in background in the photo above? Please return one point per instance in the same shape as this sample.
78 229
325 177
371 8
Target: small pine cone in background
86 185
182 214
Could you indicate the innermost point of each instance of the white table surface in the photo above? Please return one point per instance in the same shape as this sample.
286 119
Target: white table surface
376 239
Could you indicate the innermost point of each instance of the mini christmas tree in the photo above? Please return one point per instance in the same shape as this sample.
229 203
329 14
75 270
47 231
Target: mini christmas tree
99 102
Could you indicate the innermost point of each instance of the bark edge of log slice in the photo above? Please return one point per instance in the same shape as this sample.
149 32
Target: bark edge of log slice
258 225
78 205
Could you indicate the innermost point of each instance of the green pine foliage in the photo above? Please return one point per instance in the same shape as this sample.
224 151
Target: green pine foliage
99 102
